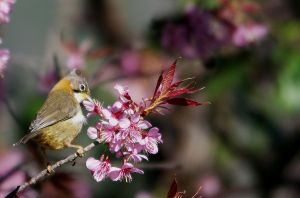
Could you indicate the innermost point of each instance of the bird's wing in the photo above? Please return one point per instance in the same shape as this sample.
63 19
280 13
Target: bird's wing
56 108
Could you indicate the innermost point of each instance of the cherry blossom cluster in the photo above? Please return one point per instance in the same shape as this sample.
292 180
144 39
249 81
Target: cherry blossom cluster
124 130
127 135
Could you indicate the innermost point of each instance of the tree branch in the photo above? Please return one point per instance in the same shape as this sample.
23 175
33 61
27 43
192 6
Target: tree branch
43 174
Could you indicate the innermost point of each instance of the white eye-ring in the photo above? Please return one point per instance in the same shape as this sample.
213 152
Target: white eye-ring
82 87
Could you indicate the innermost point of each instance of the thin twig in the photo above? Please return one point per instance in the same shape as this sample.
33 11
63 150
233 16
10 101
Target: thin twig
43 174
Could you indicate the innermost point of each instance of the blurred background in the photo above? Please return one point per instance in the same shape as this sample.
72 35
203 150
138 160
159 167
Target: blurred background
246 53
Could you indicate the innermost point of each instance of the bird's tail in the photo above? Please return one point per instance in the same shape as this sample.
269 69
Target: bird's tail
23 140
17 143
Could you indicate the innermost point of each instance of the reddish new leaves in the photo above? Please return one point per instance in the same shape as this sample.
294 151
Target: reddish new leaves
167 92
173 191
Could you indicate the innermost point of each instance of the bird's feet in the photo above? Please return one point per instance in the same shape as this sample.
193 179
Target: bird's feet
49 169
80 152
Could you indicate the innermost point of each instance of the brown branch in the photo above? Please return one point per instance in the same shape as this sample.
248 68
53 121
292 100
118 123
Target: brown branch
43 174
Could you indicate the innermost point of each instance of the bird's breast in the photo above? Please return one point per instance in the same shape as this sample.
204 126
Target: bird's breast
79 118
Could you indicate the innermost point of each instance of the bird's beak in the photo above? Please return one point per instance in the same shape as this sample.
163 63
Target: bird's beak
89 98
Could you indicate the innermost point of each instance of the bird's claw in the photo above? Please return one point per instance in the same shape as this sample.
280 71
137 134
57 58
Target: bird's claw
80 152
49 169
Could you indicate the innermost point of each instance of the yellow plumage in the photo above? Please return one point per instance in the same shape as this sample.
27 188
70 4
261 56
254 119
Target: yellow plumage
60 119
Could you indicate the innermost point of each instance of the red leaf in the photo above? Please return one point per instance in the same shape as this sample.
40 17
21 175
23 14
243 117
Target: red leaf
182 91
179 194
157 86
174 85
173 189
184 102
168 77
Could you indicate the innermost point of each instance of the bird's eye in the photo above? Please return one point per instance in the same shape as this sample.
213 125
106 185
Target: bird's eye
82 87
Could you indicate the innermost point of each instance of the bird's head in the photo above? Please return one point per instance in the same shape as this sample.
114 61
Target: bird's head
79 85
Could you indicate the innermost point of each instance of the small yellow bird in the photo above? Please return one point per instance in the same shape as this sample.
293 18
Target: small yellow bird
60 119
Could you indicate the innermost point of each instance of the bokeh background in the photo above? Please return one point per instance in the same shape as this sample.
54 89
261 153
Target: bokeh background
246 53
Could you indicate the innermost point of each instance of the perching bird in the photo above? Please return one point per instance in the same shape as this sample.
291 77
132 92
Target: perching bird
60 119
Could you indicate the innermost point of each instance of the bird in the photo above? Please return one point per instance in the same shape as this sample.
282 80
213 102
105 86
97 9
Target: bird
60 119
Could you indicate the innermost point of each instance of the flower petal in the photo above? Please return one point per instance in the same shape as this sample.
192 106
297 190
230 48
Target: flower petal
122 90
114 173
92 164
117 106
92 133
135 118
113 121
124 123
106 113
144 124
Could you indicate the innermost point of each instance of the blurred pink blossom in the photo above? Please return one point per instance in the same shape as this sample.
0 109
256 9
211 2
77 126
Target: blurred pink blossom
76 55
194 35
9 161
4 57
246 34
63 184
5 9
47 81
210 186
143 194
79 54
131 61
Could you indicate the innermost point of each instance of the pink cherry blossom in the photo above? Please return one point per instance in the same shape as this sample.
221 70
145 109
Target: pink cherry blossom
94 107
118 174
134 154
100 168
126 133
108 133
151 139
5 9
124 123
122 90
92 133
246 34
89 106
4 57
